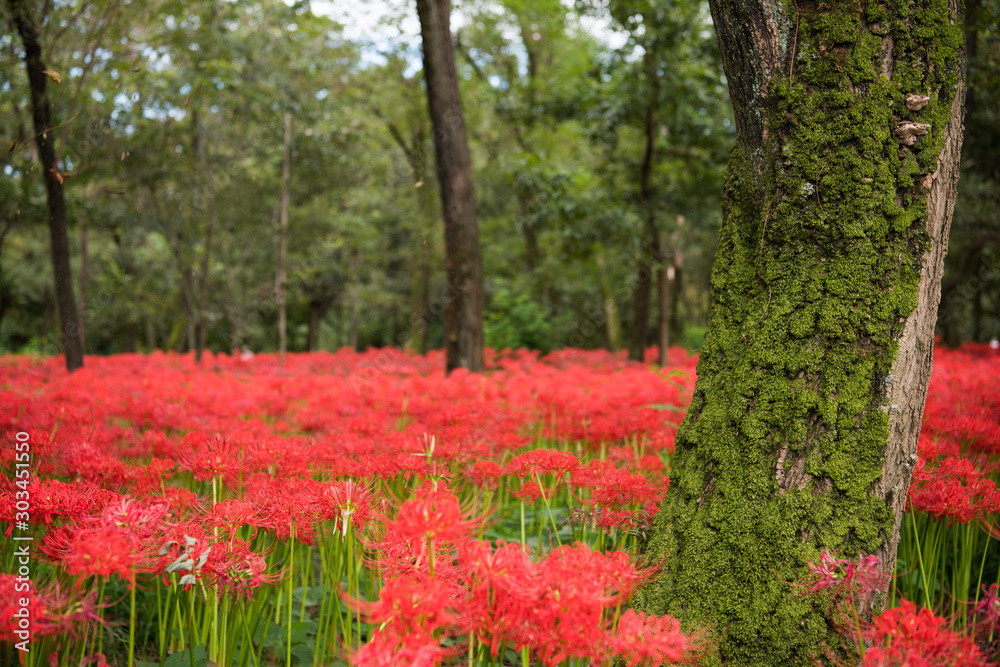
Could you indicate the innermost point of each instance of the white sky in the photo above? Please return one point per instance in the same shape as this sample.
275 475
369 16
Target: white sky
385 24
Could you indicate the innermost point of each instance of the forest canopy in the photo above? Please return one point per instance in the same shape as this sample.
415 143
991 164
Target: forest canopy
582 119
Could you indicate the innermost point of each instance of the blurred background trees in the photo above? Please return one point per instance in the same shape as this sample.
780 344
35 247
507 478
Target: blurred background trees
598 131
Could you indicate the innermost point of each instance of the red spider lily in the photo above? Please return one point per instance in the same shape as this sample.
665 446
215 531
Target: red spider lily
228 516
48 612
539 462
906 637
345 502
616 486
234 567
434 515
649 640
96 552
486 474
577 586
282 503
140 521
213 457
955 489
503 586
389 648
859 576
416 604
987 612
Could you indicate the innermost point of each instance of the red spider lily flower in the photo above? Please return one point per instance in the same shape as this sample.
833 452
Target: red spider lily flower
541 462
140 521
486 474
416 604
215 457
228 516
50 611
906 637
503 587
860 576
432 515
345 502
282 503
988 610
389 648
649 640
236 568
151 477
955 489
578 585
616 486
96 552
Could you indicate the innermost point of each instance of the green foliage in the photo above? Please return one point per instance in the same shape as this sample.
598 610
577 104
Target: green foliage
514 321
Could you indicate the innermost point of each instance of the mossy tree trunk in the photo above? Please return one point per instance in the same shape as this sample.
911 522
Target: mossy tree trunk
812 380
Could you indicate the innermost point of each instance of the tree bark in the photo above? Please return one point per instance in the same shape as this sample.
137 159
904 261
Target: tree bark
42 119
612 322
283 239
463 312
83 286
316 313
803 428
664 284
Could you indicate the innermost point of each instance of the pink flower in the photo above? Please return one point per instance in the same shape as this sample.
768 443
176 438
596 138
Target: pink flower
858 577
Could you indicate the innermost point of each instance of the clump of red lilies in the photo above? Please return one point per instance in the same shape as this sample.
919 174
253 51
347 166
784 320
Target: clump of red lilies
366 507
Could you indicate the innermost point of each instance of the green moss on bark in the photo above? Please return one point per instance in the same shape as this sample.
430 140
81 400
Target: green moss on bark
817 269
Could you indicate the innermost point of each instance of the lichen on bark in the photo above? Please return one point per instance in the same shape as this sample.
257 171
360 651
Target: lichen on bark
817 276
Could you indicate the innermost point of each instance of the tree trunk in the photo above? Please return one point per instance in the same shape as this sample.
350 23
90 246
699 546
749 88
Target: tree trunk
653 258
664 283
283 239
811 384
677 287
612 322
41 116
316 313
201 326
464 292
83 285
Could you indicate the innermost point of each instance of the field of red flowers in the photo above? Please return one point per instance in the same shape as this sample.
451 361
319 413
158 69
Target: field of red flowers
366 509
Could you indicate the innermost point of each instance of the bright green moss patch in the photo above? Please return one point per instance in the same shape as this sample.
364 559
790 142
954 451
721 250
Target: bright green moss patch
818 265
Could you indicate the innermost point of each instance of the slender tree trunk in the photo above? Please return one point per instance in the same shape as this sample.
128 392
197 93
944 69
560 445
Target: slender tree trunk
677 287
83 285
231 308
531 250
612 321
664 283
811 385
283 240
353 331
653 256
316 313
42 119
464 292
150 334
